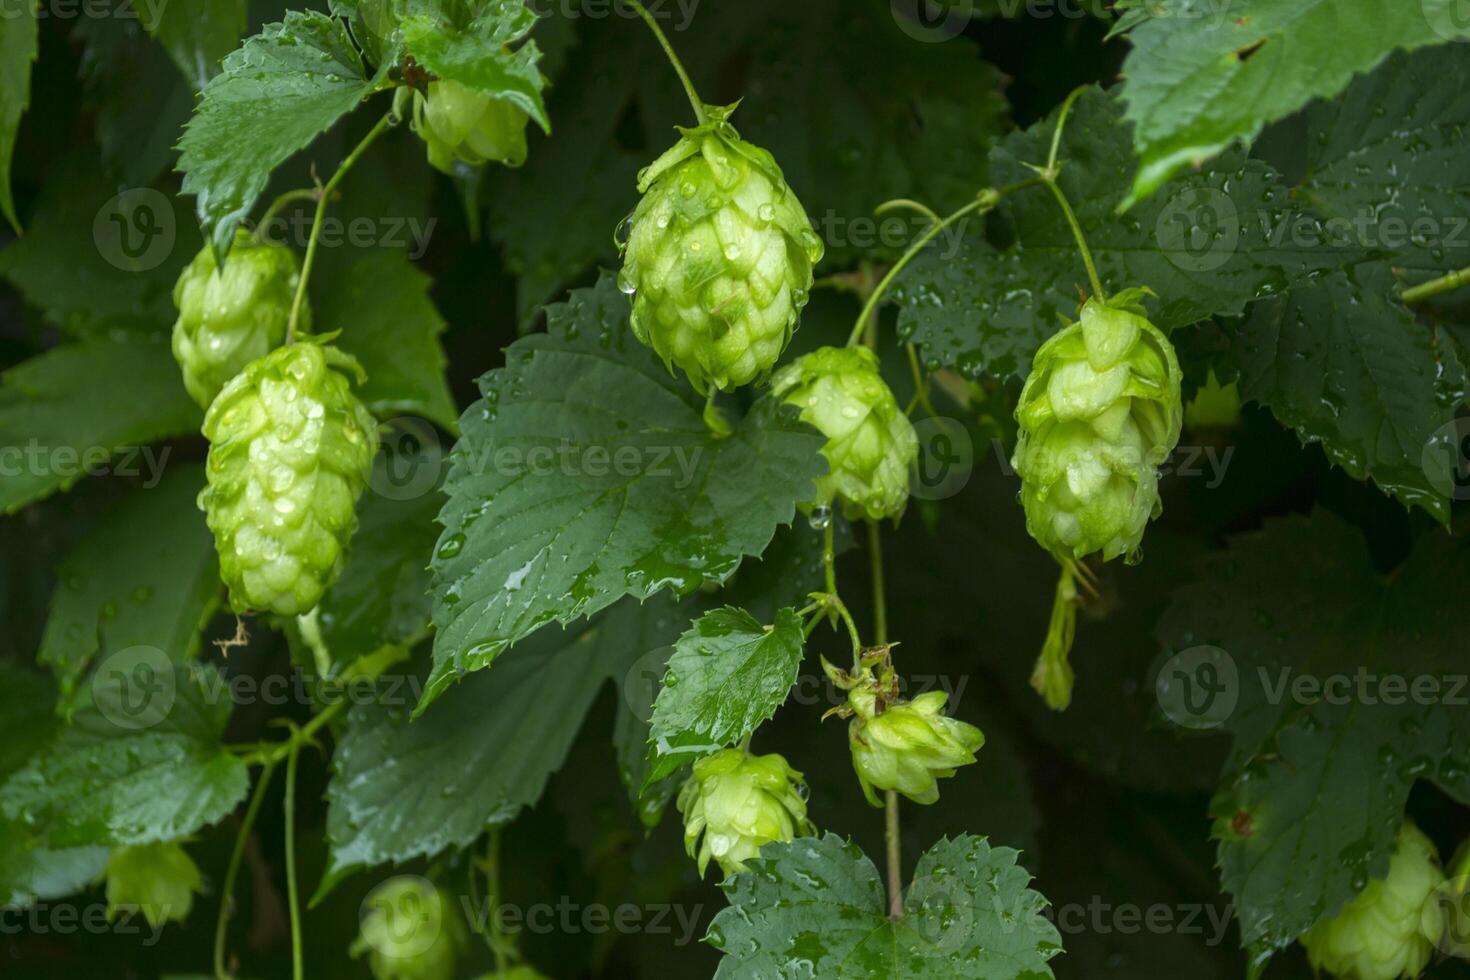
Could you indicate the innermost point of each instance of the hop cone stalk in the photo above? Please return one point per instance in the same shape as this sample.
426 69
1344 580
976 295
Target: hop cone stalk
871 446
410 931
1389 930
291 449
160 880
458 123
229 317
718 257
735 803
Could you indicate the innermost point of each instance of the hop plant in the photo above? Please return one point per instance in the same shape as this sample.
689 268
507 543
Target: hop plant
409 931
734 803
158 879
1390 929
718 256
1099 412
871 445
291 449
1214 406
229 317
458 123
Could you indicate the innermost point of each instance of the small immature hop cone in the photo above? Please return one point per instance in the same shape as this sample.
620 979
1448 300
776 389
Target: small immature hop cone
229 317
290 450
160 880
458 123
718 257
410 931
738 802
908 746
1390 929
871 445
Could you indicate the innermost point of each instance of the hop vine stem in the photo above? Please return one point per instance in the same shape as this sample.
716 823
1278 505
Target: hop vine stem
232 871
1436 287
892 842
694 100
293 896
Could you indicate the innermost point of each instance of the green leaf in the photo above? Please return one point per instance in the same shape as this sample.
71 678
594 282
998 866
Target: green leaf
1208 249
141 762
587 473
381 303
728 674
1385 164
477 53
816 908
402 790
198 33
1201 76
69 411
147 576
1346 365
276 93
1315 788
18 47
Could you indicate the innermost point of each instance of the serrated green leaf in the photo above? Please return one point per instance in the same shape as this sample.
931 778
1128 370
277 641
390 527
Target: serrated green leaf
147 576
402 790
1314 792
78 406
477 53
275 94
18 47
587 473
381 303
728 674
815 907
1203 76
1346 365
197 33
140 762
1209 248
1384 161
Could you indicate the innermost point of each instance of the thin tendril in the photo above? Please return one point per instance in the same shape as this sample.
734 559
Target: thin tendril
221 925
663 40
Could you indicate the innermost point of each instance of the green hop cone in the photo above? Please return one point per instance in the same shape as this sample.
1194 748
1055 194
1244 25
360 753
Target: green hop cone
230 317
737 803
871 445
410 931
907 746
718 257
290 451
160 880
457 123
1390 929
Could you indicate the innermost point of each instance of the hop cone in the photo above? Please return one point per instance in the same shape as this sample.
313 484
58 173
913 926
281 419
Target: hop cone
739 802
291 448
1099 413
718 257
1390 929
410 931
230 317
908 746
458 123
158 879
870 443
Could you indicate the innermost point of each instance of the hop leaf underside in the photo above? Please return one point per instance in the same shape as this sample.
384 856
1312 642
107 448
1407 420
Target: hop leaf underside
291 449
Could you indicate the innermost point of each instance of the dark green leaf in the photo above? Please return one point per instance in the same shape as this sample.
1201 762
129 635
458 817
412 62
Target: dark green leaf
477 53
17 50
587 473
198 33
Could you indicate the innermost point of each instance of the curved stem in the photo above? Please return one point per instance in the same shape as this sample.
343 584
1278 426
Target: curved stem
290 197
1092 278
1435 287
1056 136
663 40
903 202
323 196
293 898
221 926
921 384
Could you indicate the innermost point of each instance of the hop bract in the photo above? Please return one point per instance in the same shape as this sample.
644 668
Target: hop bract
737 803
291 449
870 443
159 880
908 746
718 257
1100 411
410 931
229 317
1390 929
458 123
